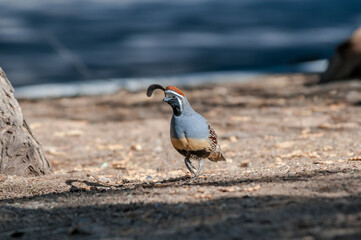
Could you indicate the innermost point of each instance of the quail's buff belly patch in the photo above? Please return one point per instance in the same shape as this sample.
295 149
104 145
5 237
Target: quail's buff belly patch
191 134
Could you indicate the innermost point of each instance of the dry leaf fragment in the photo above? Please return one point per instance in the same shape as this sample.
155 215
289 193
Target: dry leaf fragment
338 125
104 179
244 164
109 146
307 133
252 189
324 162
70 133
280 162
3 177
86 187
202 196
54 152
233 139
327 148
136 147
354 159
240 118
228 189
119 164
295 153
81 185
312 155
55 163
158 149
286 144
35 125
299 153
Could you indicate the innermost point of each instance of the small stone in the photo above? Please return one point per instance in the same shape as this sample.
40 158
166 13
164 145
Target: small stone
104 179
54 152
252 188
244 164
286 144
327 148
136 147
233 139
55 163
70 133
158 149
353 97
3 177
104 165
119 165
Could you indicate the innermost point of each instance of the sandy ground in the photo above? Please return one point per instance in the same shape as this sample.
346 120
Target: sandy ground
293 168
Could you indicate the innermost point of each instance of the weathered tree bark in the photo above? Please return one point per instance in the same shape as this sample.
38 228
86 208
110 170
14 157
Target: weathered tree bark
346 63
20 153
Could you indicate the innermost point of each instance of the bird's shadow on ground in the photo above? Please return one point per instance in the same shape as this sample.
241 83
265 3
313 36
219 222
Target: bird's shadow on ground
245 217
181 181
187 180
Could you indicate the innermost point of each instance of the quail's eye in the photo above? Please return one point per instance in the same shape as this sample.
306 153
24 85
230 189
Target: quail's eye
173 96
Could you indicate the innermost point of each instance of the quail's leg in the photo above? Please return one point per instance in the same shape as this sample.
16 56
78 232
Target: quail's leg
199 167
189 166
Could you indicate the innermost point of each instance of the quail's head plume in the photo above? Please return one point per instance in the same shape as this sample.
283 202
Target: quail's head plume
191 134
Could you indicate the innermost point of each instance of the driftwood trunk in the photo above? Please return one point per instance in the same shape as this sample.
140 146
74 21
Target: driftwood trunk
20 153
346 63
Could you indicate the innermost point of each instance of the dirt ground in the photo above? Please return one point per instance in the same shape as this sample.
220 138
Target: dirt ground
293 168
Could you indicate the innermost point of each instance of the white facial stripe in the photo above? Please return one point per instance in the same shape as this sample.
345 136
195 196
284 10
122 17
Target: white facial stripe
173 92
180 104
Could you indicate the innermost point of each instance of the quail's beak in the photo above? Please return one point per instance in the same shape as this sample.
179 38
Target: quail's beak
165 99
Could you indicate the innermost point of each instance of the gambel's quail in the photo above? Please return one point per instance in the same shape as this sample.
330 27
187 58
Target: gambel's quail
191 134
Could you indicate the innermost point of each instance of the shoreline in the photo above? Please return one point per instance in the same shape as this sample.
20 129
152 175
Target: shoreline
109 86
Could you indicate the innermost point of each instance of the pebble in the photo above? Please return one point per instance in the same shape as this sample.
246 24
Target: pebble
136 147
104 179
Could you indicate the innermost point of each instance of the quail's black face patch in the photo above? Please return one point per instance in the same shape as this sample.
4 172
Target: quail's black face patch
175 101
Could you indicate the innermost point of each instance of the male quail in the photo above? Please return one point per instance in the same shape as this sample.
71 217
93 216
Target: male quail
191 134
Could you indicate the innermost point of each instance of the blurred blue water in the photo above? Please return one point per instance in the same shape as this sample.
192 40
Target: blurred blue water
65 40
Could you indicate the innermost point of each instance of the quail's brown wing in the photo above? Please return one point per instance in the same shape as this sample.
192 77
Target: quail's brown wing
215 151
